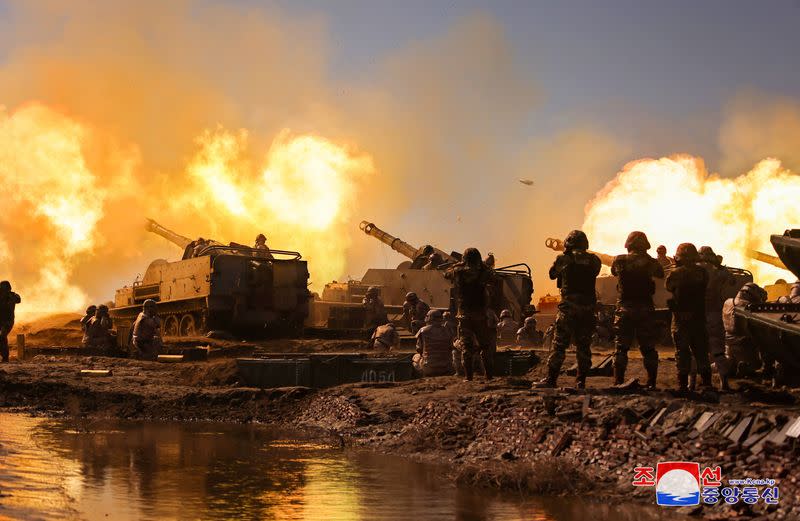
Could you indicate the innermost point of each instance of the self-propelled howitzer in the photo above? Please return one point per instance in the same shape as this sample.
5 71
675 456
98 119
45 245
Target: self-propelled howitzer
220 287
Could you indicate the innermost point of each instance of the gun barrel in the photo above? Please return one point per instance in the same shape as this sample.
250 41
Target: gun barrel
767 258
174 238
558 245
398 245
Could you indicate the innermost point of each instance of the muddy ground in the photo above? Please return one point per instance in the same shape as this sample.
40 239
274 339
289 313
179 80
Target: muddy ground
500 433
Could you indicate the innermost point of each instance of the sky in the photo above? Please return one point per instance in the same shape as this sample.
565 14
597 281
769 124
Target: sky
452 101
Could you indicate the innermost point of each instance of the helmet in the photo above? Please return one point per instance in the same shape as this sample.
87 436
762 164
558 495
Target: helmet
505 314
411 296
576 240
434 315
5 285
91 309
372 290
447 315
489 260
686 253
530 321
708 255
261 237
149 303
661 250
637 241
795 291
472 256
752 293
102 308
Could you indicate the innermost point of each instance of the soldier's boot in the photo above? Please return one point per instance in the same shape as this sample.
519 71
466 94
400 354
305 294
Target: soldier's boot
693 381
683 383
724 384
488 364
466 361
706 380
652 375
549 381
580 381
620 365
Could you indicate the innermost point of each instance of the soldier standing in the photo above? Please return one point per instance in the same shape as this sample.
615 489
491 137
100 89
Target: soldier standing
662 256
8 303
687 283
471 285
415 312
147 331
634 316
261 244
434 347
374 311
720 280
575 272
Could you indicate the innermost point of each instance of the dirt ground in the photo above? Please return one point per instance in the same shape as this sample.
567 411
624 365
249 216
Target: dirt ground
500 433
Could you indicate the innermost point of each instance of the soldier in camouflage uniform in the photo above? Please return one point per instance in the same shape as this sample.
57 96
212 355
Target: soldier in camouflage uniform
434 347
507 327
720 280
576 272
687 283
472 283
634 315
415 312
374 310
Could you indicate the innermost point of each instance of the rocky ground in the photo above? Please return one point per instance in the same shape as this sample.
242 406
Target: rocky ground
500 433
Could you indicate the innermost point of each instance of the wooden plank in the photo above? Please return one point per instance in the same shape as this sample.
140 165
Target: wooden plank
95 372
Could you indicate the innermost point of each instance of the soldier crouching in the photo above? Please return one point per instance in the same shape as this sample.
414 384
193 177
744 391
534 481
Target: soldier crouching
147 332
434 347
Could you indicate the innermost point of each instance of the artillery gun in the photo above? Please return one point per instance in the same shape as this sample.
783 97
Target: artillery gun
781 288
220 287
340 305
774 326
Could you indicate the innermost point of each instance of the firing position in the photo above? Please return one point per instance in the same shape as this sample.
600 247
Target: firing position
434 347
634 317
415 312
575 271
8 303
147 332
472 285
687 283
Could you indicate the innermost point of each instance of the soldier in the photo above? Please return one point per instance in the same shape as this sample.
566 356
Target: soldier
261 244
720 281
576 272
99 329
507 327
434 347
385 337
90 311
414 312
375 312
743 356
472 282
489 261
687 283
528 335
794 295
450 323
634 315
8 303
147 331
662 256
434 261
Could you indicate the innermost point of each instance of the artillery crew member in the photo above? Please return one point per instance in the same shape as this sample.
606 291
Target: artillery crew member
472 282
90 311
742 353
489 261
99 330
507 327
450 323
415 312
794 295
434 261
720 280
662 256
146 331
434 347
385 337
575 272
261 244
528 335
8 303
375 312
687 283
634 315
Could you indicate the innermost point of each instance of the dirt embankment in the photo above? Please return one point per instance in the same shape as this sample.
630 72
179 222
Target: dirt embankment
500 433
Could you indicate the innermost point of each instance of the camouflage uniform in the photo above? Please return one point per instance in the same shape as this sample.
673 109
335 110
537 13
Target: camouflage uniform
687 283
528 334
8 303
374 310
743 355
146 332
414 312
576 272
634 315
434 347
472 282
507 328
98 330
385 337
719 281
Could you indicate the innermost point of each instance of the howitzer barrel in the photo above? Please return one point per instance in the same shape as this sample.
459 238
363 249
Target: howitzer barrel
558 245
766 257
174 238
398 245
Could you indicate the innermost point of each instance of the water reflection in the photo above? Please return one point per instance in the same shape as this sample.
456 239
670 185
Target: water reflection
146 470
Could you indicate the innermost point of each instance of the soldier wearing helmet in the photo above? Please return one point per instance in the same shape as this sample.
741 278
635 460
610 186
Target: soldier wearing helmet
147 331
434 347
90 312
489 261
507 327
414 312
720 283
472 283
99 330
528 335
575 272
374 310
385 337
634 317
261 244
744 356
434 261
662 258
8 303
688 283
793 297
